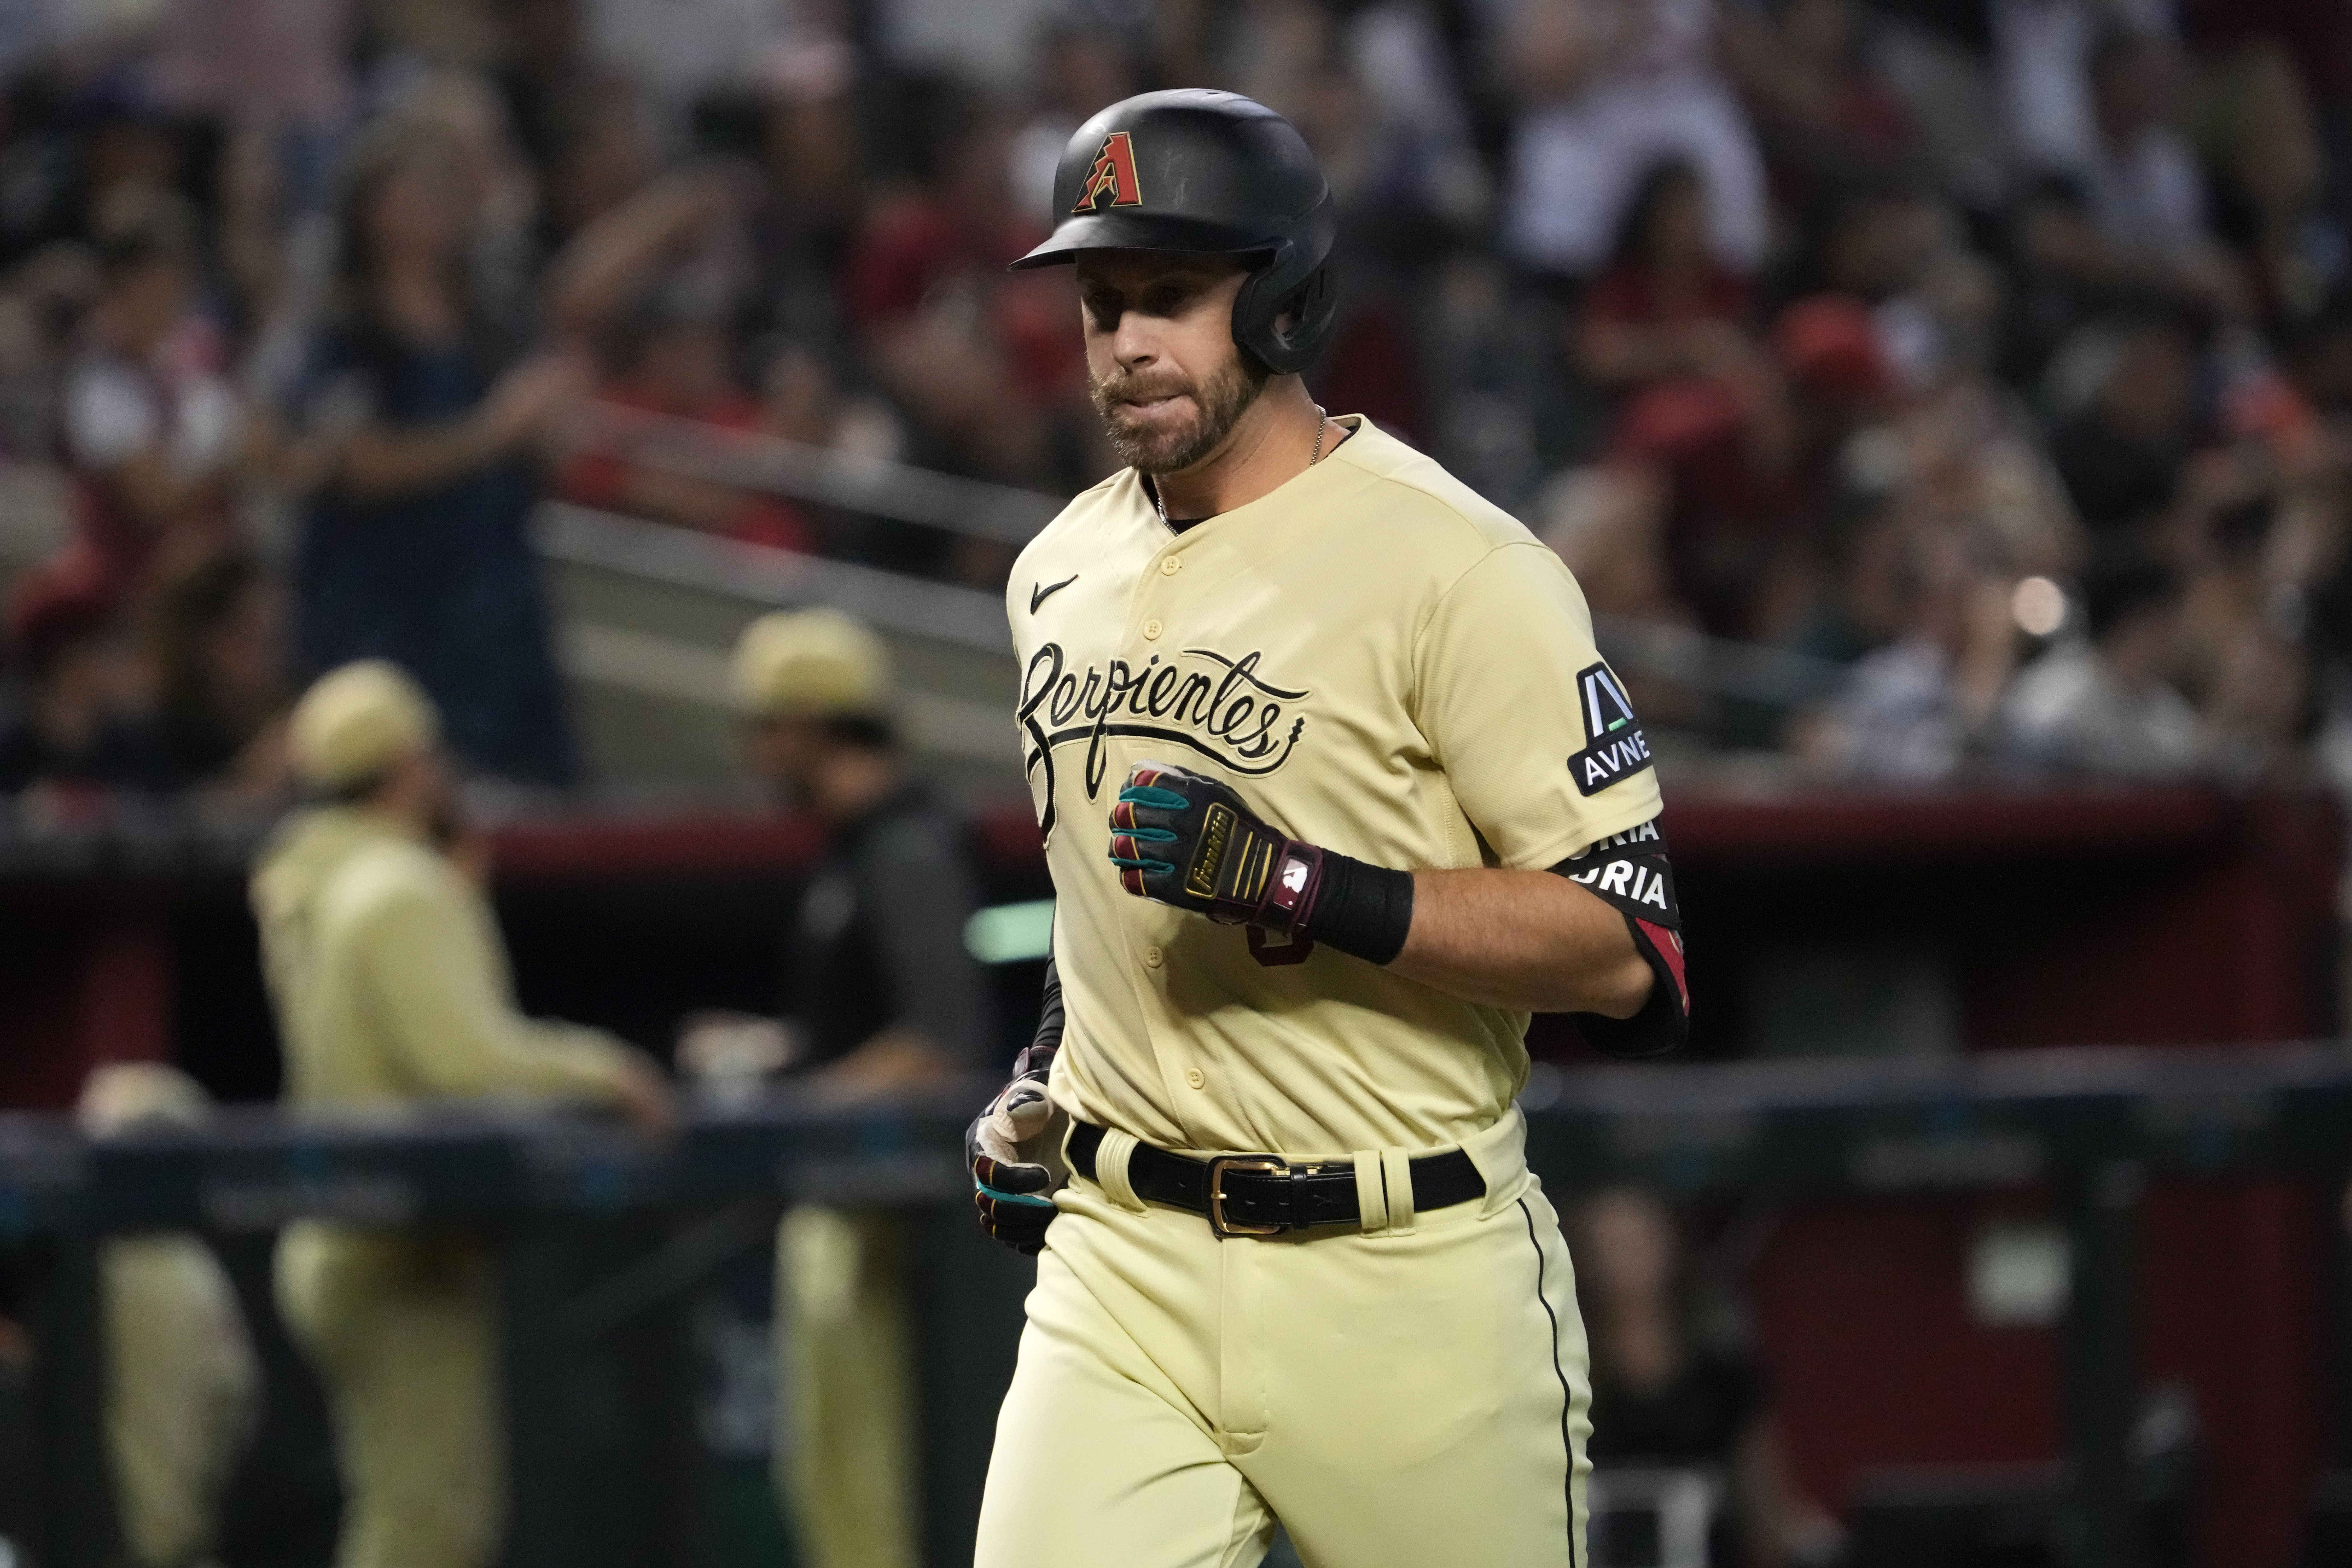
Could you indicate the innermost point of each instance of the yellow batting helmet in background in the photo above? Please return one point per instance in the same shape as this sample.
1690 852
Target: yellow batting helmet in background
358 720
810 664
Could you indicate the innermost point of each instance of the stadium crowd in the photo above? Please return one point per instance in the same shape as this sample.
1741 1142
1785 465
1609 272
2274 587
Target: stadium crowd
1993 356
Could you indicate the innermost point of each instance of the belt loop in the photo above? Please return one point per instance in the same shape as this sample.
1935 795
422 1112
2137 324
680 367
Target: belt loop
1396 1170
1110 1169
1371 1195
1500 1152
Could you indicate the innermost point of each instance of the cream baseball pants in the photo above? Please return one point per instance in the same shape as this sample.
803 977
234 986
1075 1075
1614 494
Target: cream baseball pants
401 1328
1410 1397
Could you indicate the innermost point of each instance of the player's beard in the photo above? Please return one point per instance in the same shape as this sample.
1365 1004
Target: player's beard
1217 406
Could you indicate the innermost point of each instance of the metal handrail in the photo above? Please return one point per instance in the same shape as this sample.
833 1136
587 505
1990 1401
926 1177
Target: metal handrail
874 487
891 601
880 487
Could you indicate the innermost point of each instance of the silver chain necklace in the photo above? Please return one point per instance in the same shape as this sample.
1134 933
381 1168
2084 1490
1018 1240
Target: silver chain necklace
1321 421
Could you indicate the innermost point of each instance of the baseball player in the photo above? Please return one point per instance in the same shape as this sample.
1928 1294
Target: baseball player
887 1001
391 987
1336 791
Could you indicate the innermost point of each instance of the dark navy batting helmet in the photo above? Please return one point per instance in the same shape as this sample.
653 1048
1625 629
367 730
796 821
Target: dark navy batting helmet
1214 173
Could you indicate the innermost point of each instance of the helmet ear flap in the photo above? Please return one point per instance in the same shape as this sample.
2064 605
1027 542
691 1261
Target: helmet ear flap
1289 285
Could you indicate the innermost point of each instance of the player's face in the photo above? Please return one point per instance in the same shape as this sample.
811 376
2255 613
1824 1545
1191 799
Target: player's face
785 752
1161 364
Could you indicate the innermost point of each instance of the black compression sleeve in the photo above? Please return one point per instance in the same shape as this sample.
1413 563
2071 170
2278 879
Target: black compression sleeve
1664 1023
1049 1012
1630 872
1361 908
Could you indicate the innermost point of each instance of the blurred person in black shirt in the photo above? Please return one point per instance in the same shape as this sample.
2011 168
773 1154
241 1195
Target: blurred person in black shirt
1680 1409
887 999
885 995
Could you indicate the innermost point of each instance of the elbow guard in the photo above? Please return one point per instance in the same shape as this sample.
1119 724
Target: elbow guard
1630 873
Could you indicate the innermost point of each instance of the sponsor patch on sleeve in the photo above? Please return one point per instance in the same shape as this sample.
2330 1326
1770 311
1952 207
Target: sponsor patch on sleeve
1614 747
1630 870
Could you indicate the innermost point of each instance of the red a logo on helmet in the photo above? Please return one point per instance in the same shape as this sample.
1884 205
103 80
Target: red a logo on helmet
1113 176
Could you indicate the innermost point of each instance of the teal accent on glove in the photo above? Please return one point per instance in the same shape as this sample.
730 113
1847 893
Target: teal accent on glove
1001 1196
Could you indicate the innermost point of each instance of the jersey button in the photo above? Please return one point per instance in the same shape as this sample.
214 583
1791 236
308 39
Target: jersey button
1153 958
1169 567
1196 1078
1151 631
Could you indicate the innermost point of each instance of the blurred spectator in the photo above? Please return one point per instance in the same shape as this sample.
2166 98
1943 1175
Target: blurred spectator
2123 454
83 719
979 360
1606 89
154 433
422 422
2258 135
1823 112
547 72
390 986
2124 218
2104 704
1665 306
680 364
812 159
2041 51
1749 464
220 666
2147 192
1919 707
182 1383
1674 1392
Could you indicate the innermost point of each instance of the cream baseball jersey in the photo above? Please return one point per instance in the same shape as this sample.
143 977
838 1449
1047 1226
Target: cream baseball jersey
1380 662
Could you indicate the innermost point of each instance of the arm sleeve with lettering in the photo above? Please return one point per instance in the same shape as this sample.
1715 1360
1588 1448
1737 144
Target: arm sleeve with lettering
918 896
1498 676
440 990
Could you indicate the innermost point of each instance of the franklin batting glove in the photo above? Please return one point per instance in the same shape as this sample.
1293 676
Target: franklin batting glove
1186 840
1189 841
1014 1154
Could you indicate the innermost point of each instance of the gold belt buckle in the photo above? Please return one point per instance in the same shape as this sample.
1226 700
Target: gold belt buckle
1256 1164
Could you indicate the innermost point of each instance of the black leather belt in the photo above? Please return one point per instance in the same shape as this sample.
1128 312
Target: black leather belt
1265 1195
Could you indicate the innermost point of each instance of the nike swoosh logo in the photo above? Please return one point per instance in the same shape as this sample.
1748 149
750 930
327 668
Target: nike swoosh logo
1044 591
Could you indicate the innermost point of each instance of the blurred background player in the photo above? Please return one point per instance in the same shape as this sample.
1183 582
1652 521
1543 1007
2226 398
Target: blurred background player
182 1388
391 988
886 999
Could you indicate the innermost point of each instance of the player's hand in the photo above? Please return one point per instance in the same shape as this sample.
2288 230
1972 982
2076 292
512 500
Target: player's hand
645 1100
1186 840
1014 1152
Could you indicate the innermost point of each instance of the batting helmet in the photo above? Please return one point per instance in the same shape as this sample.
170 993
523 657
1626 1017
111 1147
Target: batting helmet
1207 173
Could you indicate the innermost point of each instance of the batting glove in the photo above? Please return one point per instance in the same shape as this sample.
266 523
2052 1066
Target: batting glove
1014 1152
1186 840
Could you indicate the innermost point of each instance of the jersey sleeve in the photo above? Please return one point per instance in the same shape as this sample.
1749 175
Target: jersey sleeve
1536 735
437 988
